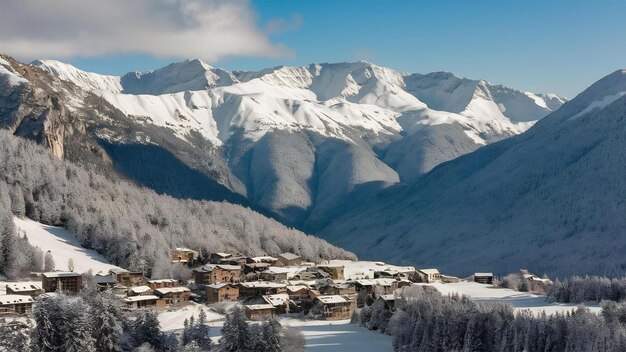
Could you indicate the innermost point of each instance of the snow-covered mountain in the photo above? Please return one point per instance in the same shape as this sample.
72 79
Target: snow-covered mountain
550 199
303 143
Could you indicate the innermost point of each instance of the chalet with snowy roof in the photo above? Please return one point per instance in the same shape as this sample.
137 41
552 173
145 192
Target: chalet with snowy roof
238 260
144 302
212 274
16 304
162 283
259 312
335 271
276 274
263 259
289 259
429 275
217 258
251 268
104 281
297 292
140 291
128 278
66 282
281 303
25 289
376 286
311 275
342 289
260 288
333 307
222 292
483 278
173 295
184 255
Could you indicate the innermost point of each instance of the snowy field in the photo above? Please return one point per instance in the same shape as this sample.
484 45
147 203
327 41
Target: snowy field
329 336
520 300
321 336
63 245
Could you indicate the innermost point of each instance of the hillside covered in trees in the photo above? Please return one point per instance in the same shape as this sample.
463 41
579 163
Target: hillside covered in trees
135 227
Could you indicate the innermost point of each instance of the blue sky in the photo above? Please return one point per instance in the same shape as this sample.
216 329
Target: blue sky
557 46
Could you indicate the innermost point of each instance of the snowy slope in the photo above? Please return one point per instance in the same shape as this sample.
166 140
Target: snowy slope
63 246
519 300
550 199
326 98
9 75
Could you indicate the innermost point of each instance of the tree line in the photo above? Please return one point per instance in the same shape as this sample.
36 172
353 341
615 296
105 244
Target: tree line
131 226
95 322
579 289
424 320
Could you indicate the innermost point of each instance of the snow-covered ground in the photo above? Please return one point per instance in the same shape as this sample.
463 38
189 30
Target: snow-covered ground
519 300
63 245
321 336
327 336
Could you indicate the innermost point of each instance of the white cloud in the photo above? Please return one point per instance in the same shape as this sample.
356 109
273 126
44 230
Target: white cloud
207 29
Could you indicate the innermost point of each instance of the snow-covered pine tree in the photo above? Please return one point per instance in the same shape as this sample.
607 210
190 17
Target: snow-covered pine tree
48 262
235 337
272 332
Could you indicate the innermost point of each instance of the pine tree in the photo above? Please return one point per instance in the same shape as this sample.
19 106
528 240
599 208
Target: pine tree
272 331
235 335
107 327
48 262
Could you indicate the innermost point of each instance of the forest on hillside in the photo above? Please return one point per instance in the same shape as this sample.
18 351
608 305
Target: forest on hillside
132 226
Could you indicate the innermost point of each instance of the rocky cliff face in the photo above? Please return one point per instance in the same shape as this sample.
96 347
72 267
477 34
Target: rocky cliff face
32 110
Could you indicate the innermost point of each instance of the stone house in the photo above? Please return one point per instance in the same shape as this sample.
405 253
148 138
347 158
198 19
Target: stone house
259 312
289 259
173 295
212 274
222 292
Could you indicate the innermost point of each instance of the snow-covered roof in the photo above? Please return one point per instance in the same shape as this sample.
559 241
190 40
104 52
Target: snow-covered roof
294 288
217 286
259 306
483 274
388 297
166 290
60 274
12 299
119 271
222 254
289 256
429 271
21 287
104 279
140 298
140 289
185 249
162 281
277 300
210 267
374 282
263 259
261 284
329 299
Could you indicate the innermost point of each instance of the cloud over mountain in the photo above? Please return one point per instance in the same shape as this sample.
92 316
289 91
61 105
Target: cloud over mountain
209 29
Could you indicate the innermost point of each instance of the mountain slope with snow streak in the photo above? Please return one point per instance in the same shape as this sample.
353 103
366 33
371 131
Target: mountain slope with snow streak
354 128
550 198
